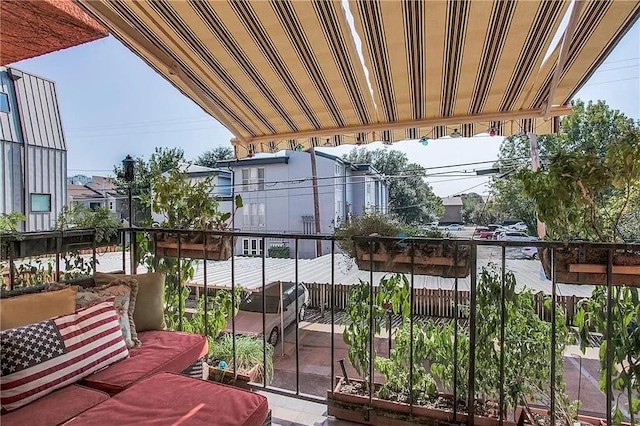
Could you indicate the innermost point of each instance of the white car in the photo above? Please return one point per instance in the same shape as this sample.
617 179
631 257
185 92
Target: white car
514 236
455 227
520 226
530 252
248 320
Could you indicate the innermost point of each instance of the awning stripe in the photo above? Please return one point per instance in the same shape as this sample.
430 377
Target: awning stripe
416 54
253 25
501 16
166 12
540 35
287 16
458 15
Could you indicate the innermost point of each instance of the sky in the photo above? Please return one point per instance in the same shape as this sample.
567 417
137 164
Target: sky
112 104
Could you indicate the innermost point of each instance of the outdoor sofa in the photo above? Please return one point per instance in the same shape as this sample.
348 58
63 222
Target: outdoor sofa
135 377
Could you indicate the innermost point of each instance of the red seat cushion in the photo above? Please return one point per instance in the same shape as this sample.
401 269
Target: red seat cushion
171 399
55 408
160 351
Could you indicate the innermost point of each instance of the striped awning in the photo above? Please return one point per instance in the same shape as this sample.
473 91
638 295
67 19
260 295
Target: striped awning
288 74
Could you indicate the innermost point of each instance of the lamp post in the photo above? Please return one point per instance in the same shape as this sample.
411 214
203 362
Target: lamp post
128 165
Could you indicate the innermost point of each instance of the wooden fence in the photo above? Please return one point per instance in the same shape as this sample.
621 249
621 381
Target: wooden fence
432 302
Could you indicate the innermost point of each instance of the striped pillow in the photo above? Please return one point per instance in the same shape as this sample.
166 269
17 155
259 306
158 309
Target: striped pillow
39 358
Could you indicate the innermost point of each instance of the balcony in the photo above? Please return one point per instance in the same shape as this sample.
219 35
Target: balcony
311 355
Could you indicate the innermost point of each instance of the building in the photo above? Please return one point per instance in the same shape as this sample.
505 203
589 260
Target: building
97 192
33 152
221 186
277 192
452 210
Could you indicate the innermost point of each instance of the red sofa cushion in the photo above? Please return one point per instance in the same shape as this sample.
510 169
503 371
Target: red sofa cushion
171 399
160 351
56 408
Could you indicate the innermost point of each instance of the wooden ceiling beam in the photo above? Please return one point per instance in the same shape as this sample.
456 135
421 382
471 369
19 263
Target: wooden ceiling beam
399 125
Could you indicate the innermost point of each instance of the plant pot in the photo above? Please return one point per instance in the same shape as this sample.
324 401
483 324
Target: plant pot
356 408
435 259
39 245
595 421
240 379
588 265
218 247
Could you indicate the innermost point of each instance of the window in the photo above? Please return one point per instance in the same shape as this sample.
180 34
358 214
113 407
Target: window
4 102
338 170
252 246
253 179
95 205
254 214
110 205
40 203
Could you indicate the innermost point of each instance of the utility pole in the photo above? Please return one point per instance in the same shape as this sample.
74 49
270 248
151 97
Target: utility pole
316 199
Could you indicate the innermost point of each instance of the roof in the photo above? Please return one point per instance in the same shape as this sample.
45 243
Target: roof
452 201
33 28
288 73
81 191
102 184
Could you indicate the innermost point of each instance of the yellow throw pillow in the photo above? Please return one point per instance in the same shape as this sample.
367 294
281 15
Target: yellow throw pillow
149 310
31 308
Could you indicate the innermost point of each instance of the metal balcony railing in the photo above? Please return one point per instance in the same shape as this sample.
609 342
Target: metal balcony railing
308 352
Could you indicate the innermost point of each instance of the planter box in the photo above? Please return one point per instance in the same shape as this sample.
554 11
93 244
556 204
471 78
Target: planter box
595 421
240 380
44 244
382 412
191 246
589 266
429 259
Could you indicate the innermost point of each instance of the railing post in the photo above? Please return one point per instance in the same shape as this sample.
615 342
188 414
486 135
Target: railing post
205 289
502 327
333 298
471 400
553 332
610 340
179 286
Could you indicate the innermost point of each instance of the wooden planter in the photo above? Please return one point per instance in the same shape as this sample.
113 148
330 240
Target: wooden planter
44 245
218 247
588 265
240 379
429 259
356 408
595 421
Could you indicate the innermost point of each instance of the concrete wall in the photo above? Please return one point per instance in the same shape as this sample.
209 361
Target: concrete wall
33 149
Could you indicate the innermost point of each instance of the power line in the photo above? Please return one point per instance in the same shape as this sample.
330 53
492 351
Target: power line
610 81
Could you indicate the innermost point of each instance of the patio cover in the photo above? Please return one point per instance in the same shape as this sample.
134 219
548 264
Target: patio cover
33 28
287 74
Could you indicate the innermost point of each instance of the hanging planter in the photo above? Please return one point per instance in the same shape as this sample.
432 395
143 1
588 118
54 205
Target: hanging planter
588 265
429 258
192 245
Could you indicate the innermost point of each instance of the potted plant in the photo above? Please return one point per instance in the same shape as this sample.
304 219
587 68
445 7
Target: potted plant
588 195
249 365
526 346
429 258
189 205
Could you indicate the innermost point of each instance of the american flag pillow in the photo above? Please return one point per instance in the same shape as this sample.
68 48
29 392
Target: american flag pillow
39 358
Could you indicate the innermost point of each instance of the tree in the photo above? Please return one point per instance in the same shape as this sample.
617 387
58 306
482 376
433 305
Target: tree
161 160
410 197
472 207
589 128
211 157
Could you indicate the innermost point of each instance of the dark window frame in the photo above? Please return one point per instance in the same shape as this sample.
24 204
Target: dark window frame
31 202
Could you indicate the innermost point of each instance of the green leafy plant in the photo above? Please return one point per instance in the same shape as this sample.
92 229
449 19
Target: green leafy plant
9 222
79 216
249 355
625 338
586 194
282 252
526 346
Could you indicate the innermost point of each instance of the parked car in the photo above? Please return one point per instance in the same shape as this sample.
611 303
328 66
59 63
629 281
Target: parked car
482 233
514 236
454 227
520 226
248 320
530 252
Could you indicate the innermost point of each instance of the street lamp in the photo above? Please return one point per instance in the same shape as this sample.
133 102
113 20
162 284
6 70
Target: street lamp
129 175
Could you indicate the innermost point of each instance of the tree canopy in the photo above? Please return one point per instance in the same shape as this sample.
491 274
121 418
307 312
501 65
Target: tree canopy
211 157
410 196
